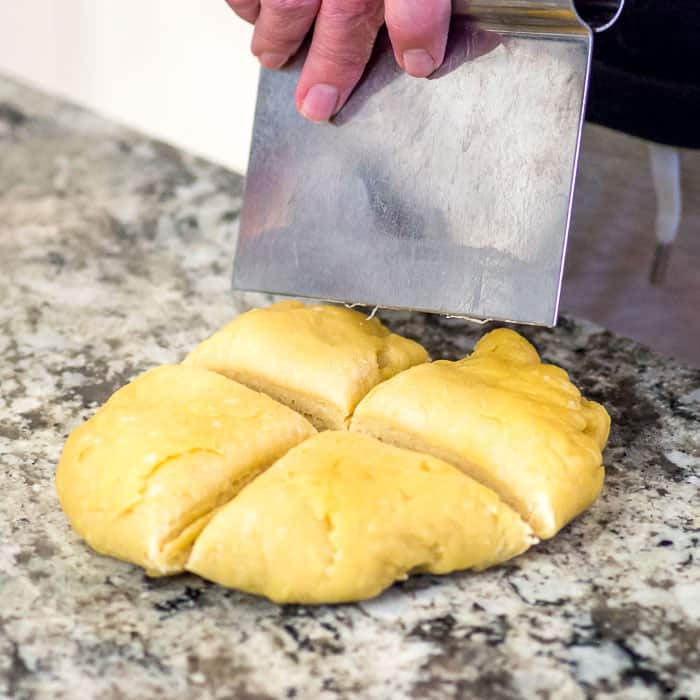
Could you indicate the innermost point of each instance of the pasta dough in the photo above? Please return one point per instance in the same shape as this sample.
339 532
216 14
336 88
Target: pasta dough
142 477
445 466
319 360
342 516
514 424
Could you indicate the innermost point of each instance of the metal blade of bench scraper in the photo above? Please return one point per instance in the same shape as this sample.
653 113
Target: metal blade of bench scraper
450 195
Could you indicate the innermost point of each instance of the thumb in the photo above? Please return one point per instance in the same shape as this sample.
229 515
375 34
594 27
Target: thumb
418 31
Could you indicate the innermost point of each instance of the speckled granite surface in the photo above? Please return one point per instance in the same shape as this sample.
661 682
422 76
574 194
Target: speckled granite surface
115 255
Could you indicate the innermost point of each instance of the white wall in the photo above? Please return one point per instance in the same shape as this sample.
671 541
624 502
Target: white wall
179 69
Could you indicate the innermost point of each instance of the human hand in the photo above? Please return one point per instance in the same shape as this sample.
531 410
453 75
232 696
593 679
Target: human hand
343 36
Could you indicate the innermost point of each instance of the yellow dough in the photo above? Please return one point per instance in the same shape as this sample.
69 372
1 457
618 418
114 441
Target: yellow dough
319 360
142 477
447 465
516 425
342 516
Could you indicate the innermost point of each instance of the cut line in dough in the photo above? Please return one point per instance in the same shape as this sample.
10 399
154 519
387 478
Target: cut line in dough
143 476
319 360
514 424
342 516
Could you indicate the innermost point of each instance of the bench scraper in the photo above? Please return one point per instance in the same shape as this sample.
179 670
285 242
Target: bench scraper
450 194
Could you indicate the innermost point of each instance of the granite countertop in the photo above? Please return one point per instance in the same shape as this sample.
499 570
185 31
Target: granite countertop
115 253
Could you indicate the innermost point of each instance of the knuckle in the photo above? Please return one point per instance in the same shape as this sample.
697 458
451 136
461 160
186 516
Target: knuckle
356 8
272 34
346 33
343 54
353 18
265 42
417 18
283 24
270 42
292 8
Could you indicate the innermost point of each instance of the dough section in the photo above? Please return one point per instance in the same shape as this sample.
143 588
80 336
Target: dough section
319 360
342 516
214 466
504 418
142 477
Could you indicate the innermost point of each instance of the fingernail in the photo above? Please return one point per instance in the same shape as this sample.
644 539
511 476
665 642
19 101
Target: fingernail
272 60
320 102
418 63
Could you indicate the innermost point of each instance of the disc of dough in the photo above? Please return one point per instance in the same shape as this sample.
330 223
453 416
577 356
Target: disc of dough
516 425
319 360
342 516
142 477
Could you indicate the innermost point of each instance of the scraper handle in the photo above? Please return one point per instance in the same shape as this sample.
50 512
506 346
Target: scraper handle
540 16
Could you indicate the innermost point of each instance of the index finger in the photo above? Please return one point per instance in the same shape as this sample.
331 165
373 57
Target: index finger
342 42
